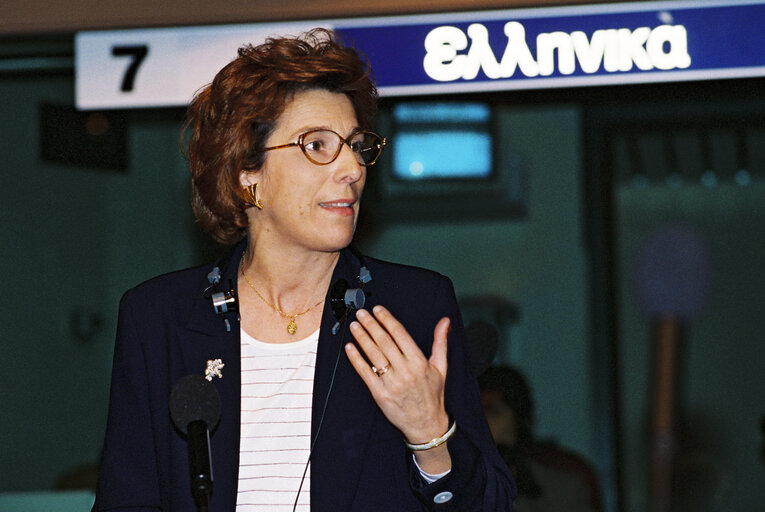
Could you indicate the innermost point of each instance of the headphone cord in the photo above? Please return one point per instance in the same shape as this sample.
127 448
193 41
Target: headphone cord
323 411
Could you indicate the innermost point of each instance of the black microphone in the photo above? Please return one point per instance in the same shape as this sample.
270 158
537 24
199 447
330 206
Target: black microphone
195 411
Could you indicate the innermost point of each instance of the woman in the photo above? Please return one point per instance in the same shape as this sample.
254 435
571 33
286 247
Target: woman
278 150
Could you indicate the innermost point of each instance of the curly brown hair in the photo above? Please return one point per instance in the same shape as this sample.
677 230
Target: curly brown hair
229 120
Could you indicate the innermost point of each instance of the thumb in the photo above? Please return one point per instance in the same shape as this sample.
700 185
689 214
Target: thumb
438 353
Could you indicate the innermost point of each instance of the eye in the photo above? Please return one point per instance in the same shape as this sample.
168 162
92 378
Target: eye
315 145
361 143
317 142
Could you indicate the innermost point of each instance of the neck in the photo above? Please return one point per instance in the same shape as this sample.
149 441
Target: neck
289 279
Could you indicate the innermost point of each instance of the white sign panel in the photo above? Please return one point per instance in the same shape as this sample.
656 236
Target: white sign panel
158 67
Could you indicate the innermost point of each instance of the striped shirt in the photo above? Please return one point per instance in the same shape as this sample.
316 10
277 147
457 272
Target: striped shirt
277 393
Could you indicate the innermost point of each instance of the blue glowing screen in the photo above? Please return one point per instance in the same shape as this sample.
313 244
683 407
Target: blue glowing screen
442 140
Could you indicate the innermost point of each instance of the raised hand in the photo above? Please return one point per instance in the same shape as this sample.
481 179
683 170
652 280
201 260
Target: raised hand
408 388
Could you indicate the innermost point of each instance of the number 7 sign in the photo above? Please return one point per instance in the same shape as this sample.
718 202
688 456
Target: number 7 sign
158 67
137 54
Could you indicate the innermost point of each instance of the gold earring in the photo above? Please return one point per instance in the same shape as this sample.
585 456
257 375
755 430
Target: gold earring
251 196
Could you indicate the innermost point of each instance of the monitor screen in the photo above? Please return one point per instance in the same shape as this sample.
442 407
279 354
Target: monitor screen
444 161
442 141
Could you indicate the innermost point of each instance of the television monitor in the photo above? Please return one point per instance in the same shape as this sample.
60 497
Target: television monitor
445 160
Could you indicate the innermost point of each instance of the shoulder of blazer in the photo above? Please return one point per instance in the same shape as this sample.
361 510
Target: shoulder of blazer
180 285
402 272
396 282
176 294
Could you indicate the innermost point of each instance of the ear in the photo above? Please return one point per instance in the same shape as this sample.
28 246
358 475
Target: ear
246 178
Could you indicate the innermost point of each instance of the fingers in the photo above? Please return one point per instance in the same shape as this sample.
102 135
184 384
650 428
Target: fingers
391 334
411 392
385 340
440 344
381 339
369 377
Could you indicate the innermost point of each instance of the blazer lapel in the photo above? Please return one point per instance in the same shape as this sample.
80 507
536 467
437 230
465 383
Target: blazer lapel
204 338
339 433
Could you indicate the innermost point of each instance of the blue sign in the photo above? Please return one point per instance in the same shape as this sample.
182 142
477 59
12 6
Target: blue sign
632 43
604 44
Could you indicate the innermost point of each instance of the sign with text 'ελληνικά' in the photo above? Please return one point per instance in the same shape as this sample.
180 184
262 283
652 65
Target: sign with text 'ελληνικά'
604 44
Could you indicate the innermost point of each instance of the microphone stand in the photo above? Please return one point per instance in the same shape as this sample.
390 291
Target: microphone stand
199 464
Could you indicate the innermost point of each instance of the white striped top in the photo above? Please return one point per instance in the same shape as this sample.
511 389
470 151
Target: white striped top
277 393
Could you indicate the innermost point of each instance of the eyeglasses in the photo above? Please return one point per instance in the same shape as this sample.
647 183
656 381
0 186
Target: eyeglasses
323 146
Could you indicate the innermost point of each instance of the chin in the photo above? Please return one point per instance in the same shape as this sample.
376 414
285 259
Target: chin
338 240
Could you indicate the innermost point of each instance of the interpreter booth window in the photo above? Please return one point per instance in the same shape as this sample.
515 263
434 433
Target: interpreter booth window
443 153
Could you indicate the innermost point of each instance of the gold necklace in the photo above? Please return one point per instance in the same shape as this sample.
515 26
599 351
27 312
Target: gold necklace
292 327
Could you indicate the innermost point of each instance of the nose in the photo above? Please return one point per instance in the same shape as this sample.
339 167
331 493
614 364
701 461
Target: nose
347 167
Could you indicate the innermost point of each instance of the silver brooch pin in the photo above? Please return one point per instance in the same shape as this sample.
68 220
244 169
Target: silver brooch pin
214 367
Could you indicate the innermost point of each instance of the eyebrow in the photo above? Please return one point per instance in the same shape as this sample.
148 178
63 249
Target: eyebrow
300 132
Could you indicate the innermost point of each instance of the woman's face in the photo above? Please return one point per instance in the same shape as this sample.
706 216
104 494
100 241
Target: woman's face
306 205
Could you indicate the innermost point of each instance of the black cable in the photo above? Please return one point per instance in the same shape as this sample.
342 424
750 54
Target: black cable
323 412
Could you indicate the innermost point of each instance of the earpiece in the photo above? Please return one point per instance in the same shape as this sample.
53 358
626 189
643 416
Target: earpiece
223 301
343 299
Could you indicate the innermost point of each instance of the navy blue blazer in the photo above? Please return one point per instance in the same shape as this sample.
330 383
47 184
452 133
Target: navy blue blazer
168 328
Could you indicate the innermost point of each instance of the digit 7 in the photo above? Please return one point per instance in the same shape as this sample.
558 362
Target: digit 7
138 53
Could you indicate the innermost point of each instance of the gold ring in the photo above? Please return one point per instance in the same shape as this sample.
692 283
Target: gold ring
381 371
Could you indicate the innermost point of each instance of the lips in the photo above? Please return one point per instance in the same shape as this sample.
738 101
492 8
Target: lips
337 204
343 207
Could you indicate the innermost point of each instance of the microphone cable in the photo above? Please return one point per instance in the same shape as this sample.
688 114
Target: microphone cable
323 410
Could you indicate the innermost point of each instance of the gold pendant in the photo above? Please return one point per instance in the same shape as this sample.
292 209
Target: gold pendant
292 326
